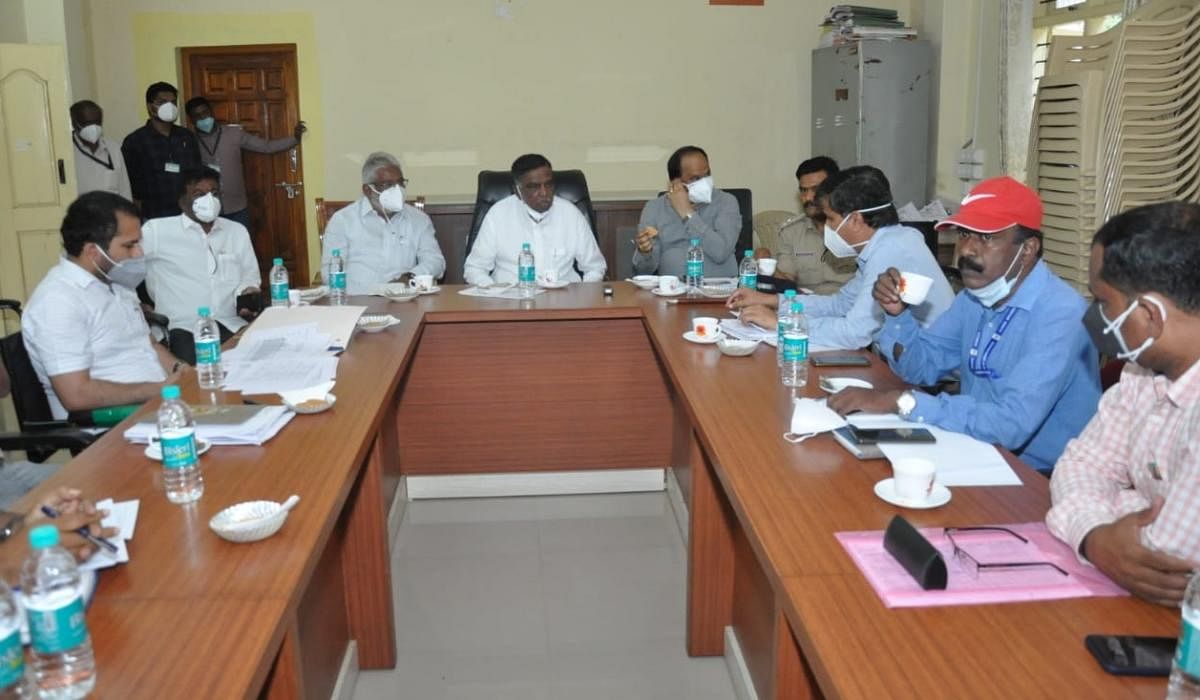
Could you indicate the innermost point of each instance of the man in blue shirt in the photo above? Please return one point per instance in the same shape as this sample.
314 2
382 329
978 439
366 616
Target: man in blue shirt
860 222
1030 375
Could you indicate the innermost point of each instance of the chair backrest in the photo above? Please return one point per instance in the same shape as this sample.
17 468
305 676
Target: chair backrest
495 185
326 208
746 206
29 398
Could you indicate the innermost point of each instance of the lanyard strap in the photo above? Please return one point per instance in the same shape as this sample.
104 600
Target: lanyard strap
978 363
85 152
216 145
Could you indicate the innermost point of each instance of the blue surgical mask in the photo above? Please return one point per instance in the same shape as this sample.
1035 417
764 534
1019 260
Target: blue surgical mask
206 124
993 292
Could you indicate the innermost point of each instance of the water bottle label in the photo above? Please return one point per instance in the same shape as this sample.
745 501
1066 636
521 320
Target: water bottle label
337 280
695 268
1187 656
208 352
525 274
58 630
795 349
12 659
179 451
279 291
750 281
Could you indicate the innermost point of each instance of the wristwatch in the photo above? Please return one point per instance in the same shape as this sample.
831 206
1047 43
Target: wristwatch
905 404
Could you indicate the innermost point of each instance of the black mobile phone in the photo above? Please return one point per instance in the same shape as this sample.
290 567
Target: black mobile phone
1124 655
840 361
252 302
865 436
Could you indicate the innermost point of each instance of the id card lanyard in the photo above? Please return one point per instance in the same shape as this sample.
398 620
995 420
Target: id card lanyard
977 362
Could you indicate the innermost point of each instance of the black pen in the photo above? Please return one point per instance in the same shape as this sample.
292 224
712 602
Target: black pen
83 531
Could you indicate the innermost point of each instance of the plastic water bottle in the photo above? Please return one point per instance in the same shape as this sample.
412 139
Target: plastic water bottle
784 311
749 271
1185 670
695 266
177 436
279 283
13 684
526 271
62 661
337 278
208 350
794 371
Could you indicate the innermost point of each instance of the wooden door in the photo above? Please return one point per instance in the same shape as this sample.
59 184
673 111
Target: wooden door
257 87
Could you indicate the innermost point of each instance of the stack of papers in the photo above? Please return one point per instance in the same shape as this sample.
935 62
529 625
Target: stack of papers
278 359
335 321
122 516
961 460
852 22
225 425
498 291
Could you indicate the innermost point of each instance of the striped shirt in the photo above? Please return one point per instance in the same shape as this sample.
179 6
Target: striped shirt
1143 442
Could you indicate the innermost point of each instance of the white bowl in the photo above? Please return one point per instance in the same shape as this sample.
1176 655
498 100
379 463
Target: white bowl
734 347
252 520
646 281
374 323
330 399
401 295
832 385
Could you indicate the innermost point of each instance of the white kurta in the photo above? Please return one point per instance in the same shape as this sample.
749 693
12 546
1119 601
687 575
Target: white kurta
561 240
103 170
378 251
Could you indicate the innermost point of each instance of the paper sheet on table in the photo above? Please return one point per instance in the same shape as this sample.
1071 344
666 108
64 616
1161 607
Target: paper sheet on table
122 516
315 392
273 376
750 331
961 459
898 589
305 339
265 424
334 321
503 291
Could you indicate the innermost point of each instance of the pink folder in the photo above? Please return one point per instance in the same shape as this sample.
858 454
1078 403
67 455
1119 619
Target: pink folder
897 588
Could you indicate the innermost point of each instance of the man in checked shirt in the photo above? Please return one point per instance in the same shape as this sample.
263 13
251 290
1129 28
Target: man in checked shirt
1126 492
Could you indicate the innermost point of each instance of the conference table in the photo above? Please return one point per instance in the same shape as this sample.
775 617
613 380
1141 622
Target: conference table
569 380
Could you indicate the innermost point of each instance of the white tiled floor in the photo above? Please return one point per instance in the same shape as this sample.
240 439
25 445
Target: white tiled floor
573 597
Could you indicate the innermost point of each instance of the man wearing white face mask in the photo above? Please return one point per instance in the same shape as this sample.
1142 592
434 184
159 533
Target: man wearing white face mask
690 208
158 152
83 326
99 164
1030 378
199 258
380 237
1126 492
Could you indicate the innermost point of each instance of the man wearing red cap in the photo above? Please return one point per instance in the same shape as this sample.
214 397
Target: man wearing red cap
1030 374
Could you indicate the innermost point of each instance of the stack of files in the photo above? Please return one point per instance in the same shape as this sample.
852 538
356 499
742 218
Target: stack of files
283 358
961 460
851 22
225 424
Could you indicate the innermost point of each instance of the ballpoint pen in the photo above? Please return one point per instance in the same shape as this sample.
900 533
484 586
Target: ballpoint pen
83 532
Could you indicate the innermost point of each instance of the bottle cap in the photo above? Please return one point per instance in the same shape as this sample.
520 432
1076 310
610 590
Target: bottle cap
43 536
749 254
789 294
695 241
524 246
204 312
170 391
337 252
278 261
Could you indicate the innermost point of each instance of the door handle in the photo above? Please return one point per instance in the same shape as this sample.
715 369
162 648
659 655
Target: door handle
62 172
292 188
294 158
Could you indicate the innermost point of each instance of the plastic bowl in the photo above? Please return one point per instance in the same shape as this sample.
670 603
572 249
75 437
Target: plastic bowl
736 348
313 405
252 520
374 323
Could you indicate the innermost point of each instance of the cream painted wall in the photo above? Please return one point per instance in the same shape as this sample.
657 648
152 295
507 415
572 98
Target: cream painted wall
12 22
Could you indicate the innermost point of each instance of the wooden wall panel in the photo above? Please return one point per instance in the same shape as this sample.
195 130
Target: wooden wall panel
322 628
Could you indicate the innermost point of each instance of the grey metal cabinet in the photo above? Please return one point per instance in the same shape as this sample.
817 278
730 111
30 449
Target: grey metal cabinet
871 105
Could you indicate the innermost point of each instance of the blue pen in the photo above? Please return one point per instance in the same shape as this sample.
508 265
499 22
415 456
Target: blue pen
83 532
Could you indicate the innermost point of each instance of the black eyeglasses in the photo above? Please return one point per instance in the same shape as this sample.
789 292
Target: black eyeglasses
973 566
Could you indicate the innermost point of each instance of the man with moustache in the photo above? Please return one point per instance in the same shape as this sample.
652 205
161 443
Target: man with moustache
1030 378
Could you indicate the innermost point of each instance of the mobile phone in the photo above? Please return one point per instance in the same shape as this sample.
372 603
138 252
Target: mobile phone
840 361
865 436
1124 655
251 302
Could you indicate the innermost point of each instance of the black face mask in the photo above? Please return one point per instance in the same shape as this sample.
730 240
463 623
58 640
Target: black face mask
1095 322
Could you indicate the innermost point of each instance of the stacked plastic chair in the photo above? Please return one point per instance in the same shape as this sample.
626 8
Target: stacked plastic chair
1116 124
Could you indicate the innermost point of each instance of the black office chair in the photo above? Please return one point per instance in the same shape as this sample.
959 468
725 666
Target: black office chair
495 185
39 435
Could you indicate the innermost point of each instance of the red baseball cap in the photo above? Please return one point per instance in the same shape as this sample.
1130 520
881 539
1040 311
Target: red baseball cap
996 204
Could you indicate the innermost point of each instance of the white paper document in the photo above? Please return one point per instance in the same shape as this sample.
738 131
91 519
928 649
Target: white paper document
500 291
264 425
961 460
279 359
122 516
335 321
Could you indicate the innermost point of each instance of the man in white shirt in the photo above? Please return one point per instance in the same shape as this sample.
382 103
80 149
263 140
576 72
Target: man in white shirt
83 326
196 259
380 238
99 164
557 231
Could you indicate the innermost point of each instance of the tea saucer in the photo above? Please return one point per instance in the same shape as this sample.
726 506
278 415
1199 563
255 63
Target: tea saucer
431 290
691 337
661 293
886 490
154 450
553 285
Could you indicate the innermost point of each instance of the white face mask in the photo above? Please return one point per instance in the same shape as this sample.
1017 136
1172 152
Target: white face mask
391 199
1114 327
811 417
91 133
838 245
207 208
536 216
991 293
167 112
701 191
129 273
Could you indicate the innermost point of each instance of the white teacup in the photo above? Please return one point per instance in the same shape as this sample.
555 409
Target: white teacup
668 284
914 288
766 266
294 297
706 327
421 282
548 276
913 478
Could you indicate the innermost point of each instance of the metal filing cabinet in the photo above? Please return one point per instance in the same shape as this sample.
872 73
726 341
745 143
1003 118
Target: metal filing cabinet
871 105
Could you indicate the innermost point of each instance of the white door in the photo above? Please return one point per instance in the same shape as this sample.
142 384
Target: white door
37 171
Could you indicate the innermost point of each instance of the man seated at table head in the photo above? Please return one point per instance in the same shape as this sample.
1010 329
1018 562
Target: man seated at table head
83 326
690 208
381 238
861 223
798 246
1030 376
1125 492
558 233
200 258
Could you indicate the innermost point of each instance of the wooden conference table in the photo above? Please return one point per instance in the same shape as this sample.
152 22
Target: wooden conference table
569 380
